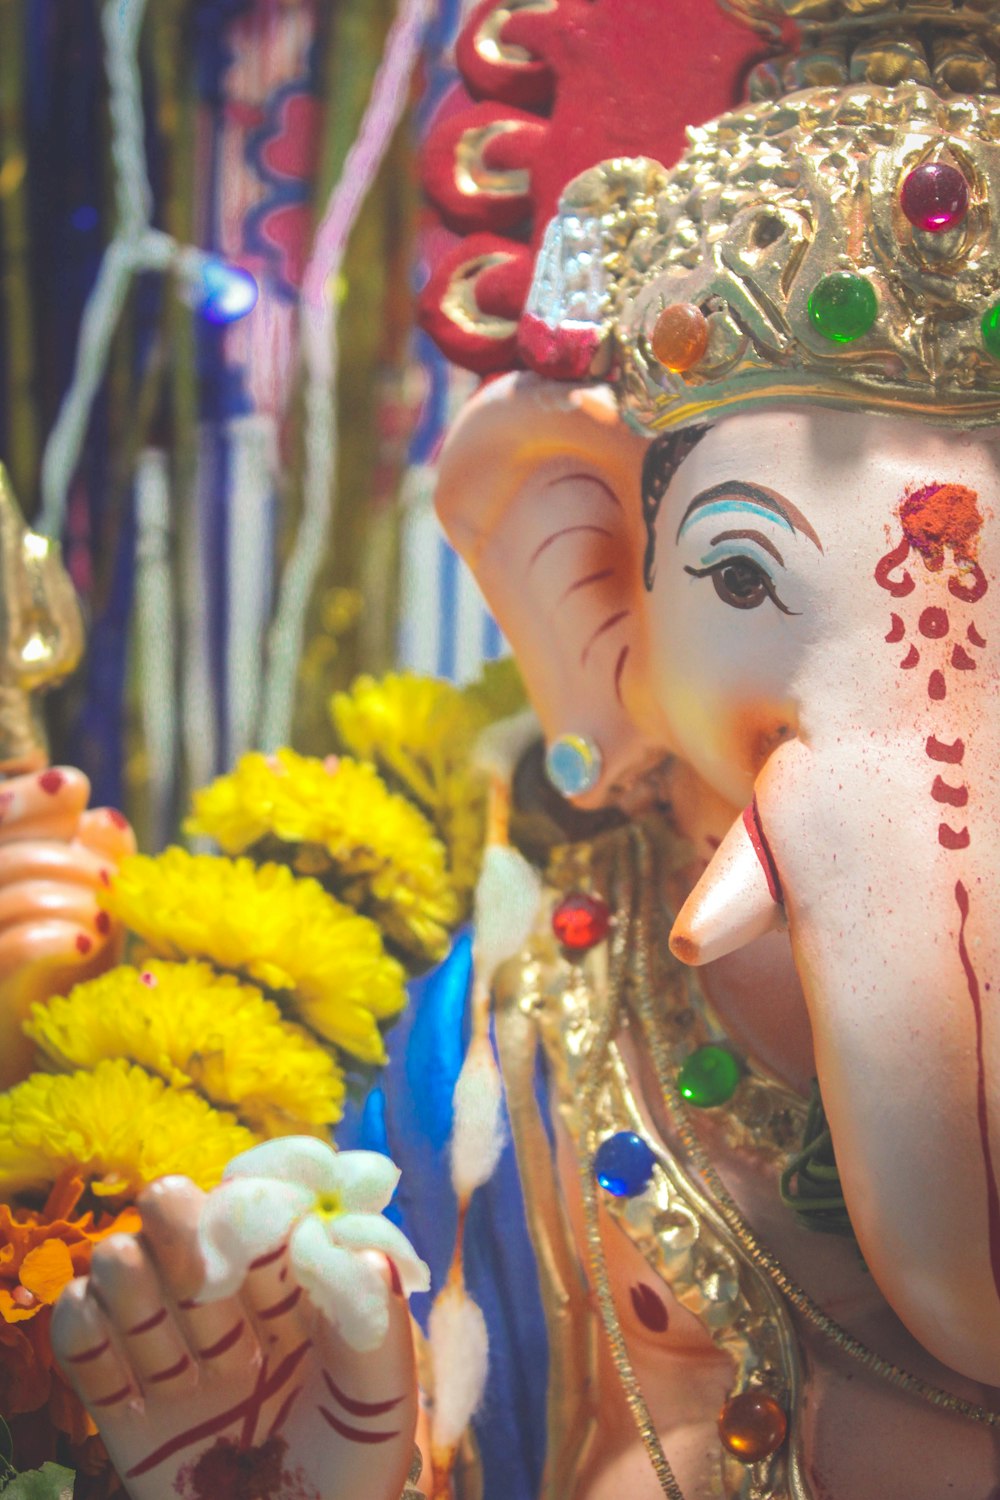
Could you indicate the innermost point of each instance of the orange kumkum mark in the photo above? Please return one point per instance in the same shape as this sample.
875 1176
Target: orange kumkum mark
939 517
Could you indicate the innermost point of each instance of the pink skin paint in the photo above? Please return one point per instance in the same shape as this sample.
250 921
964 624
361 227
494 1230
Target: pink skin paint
939 520
270 1383
592 577
246 1455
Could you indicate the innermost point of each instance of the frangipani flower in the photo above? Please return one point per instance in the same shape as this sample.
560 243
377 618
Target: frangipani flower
328 1204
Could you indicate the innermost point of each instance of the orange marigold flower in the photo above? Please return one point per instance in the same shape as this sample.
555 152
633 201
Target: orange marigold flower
40 1252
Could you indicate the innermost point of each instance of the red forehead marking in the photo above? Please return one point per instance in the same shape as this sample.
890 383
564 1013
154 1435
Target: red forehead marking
942 516
933 623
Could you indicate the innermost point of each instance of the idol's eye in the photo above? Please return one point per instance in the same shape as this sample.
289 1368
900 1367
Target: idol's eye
741 583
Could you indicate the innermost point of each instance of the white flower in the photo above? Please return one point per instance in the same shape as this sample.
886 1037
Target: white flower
328 1204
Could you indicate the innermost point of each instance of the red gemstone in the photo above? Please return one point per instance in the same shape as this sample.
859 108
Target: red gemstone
935 197
580 921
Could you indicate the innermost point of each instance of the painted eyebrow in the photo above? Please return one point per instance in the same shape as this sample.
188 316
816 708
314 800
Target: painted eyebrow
750 536
754 494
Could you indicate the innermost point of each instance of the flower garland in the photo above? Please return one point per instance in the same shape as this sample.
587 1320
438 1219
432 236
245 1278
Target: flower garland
367 844
201 1030
117 1126
258 979
324 962
40 1252
420 734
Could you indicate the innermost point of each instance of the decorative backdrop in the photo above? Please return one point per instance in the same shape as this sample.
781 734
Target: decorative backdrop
225 480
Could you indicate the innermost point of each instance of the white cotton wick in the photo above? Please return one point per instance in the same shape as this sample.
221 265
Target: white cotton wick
478 1136
460 1349
507 901
499 748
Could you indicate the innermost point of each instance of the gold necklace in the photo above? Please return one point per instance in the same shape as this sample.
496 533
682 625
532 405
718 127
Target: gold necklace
576 1012
586 1146
780 1473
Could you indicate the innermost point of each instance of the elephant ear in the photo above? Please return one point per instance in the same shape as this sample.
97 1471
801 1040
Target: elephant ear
539 490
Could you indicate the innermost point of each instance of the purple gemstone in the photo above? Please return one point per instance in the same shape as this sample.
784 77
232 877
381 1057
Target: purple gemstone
935 197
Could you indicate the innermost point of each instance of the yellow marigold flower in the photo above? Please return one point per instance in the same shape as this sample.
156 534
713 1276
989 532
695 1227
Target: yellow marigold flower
421 733
417 727
380 852
195 1028
263 923
117 1127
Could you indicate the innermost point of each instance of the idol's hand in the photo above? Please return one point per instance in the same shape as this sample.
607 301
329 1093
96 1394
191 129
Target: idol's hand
54 858
191 1396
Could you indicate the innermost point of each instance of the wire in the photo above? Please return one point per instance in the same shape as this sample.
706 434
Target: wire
320 353
135 246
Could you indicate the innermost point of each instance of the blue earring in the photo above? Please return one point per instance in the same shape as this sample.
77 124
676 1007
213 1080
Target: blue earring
573 764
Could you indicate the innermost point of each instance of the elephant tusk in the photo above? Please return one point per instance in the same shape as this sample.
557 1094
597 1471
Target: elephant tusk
737 899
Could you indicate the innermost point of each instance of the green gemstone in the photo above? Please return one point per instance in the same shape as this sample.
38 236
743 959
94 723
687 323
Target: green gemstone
709 1077
991 330
843 307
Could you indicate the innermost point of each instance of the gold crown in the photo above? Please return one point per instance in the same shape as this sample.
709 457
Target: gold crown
839 244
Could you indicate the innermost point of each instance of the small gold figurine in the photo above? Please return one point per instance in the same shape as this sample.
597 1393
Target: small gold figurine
41 634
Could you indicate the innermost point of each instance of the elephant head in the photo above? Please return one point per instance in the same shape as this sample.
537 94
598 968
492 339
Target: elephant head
801 605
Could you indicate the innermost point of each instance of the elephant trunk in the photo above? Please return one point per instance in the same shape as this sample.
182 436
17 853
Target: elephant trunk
881 857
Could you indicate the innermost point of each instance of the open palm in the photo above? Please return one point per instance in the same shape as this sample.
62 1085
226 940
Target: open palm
192 1399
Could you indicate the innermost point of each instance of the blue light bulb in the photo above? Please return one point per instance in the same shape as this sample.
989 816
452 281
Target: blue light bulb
223 292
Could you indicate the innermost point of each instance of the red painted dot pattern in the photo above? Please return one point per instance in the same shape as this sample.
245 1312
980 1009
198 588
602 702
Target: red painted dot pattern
936 520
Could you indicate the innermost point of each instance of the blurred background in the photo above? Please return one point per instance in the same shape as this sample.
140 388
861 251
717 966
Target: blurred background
242 490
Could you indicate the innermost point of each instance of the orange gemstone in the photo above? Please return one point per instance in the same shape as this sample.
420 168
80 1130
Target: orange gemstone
752 1425
680 337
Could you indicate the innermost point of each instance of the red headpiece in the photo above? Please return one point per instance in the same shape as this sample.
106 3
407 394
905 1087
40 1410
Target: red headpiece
560 85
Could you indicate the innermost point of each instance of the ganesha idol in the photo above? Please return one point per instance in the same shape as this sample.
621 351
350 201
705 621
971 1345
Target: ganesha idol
739 519
739 524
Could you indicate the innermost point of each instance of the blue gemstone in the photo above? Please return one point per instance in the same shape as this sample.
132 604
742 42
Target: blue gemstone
623 1164
573 764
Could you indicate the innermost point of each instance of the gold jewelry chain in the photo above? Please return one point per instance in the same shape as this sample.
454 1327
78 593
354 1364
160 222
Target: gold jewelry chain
645 920
592 1080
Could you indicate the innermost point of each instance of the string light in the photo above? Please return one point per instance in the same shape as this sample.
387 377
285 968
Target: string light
221 292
